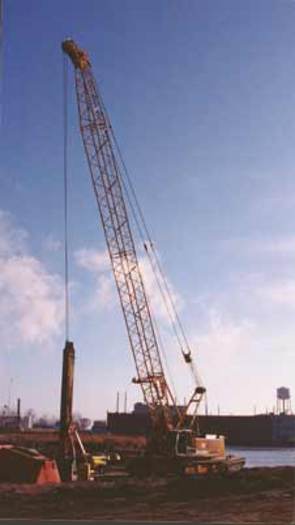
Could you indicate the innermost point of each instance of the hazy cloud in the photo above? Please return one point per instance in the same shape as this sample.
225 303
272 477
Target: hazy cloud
224 337
93 260
52 244
281 292
281 246
12 238
154 294
31 298
98 263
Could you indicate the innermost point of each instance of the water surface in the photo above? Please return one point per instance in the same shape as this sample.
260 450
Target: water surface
265 457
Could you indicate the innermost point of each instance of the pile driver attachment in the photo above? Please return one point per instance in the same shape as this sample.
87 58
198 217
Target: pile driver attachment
73 461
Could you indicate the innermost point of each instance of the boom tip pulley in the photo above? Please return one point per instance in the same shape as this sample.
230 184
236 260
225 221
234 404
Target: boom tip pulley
78 56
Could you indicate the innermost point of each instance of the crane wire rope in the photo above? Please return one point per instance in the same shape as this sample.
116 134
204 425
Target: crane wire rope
167 298
141 235
65 180
144 230
1 60
156 266
154 260
163 351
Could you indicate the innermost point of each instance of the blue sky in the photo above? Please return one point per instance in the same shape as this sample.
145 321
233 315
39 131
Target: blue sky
201 97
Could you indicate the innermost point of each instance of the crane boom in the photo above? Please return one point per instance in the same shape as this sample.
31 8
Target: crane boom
175 447
104 165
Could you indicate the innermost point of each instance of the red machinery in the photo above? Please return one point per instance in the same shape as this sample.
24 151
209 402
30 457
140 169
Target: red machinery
24 465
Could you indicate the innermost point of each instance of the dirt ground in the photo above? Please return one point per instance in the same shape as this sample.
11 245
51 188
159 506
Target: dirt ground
252 496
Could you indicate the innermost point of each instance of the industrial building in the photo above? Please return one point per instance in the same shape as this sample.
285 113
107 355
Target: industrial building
252 430
11 419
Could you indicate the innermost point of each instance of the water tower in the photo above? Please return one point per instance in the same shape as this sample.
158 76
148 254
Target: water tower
283 400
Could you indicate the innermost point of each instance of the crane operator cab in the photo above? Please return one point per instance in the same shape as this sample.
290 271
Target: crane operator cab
185 443
180 442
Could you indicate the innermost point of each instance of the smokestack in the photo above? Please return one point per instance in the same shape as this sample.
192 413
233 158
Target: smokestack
18 414
125 403
118 402
206 404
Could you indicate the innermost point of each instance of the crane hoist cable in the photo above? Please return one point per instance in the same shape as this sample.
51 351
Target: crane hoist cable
163 351
141 226
154 260
65 178
153 265
106 169
66 271
103 165
144 231
159 285
1 60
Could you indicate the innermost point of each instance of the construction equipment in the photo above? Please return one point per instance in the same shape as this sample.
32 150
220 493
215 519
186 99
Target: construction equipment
174 443
25 465
73 460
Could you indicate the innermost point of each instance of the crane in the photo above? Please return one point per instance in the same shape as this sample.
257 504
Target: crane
172 435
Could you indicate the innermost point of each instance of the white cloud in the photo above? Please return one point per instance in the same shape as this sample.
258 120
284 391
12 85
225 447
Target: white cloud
247 338
241 344
103 296
52 244
98 263
231 356
31 299
280 246
154 295
93 260
259 293
225 337
12 239
280 293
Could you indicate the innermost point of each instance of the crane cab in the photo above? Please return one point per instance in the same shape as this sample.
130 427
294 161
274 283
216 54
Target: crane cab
185 443
180 442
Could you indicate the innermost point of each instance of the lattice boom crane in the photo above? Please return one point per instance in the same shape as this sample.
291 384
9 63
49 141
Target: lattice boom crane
101 152
175 445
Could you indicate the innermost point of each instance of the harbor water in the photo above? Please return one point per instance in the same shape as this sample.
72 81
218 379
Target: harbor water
265 457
